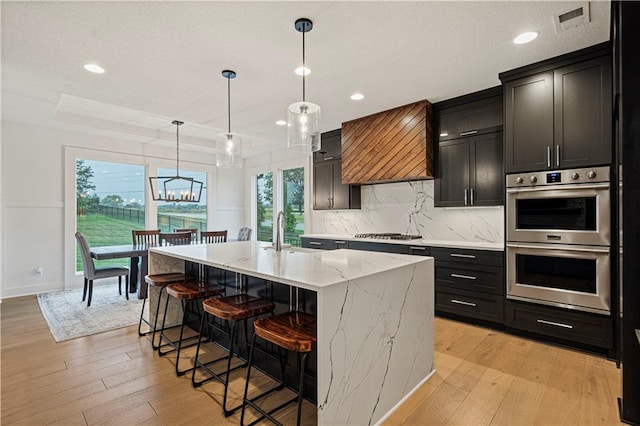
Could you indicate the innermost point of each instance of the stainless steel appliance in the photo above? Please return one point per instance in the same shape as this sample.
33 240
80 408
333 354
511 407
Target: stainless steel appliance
566 206
388 236
558 238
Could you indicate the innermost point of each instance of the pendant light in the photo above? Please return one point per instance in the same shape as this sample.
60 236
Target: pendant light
229 152
175 188
303 118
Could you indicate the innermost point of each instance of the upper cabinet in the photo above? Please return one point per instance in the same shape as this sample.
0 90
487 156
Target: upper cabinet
558 113
469 155
329 193
390 146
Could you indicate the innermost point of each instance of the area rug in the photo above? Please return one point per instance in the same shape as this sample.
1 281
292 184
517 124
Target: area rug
68 317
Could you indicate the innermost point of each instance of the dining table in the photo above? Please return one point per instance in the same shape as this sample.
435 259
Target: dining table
135 253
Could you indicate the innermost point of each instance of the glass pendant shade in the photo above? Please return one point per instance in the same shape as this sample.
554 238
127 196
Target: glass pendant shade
229 152
303 127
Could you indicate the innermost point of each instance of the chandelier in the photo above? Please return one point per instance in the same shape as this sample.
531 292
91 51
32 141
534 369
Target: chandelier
175 188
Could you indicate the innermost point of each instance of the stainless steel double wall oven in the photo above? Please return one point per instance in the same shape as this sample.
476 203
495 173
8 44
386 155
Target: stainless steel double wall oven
558 238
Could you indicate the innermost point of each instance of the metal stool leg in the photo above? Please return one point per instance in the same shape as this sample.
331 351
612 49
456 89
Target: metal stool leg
303 364
246 383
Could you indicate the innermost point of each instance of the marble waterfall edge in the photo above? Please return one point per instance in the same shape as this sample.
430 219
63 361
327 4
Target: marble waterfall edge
382 323
407 207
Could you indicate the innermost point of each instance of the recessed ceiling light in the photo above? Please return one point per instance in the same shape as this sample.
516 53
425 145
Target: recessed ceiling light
357 97
525 37
96 69
301 70
281 123
444 134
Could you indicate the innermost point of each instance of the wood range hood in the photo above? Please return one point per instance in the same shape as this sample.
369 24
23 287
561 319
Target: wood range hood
390 146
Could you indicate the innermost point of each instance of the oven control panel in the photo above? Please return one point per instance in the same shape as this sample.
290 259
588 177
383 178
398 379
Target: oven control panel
559 177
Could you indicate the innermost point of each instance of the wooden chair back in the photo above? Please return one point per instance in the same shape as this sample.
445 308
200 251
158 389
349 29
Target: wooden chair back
175 238
194 233
208 237
244 234
146 237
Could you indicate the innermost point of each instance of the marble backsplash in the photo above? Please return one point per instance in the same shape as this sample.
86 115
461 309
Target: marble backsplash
407 207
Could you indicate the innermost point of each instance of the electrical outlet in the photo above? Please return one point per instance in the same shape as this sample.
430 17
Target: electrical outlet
37 271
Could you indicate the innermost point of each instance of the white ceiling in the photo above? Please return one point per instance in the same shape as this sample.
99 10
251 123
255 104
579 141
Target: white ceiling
163 60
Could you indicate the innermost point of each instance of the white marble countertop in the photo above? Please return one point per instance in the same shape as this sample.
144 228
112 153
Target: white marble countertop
305 268
478 245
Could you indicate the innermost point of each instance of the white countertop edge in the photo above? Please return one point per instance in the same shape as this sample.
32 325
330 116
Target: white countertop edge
478 245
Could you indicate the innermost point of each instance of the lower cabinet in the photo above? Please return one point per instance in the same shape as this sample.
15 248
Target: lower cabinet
323 244
573 326
381 247
470 283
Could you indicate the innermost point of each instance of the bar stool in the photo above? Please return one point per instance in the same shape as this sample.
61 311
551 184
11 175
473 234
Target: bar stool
236 308
188 291
161 281
294 331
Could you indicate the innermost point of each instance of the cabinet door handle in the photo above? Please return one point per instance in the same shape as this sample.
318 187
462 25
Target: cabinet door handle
557 155
470 132
466 277
328 158
465 197
314 243
557 324
548 157
340 242
418 248
471 191
461 302
466 256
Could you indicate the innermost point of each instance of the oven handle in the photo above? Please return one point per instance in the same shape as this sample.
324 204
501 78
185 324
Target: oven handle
604 185
563 247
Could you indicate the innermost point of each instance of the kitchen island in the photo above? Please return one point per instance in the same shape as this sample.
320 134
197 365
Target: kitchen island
374 317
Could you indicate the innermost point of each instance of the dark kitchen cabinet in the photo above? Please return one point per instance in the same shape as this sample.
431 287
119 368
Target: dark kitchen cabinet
381 247
323 244
469 153
469 283
558 113
470 172
328 190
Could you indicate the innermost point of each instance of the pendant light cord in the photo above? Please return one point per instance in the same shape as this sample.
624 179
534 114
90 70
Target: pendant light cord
304 70
229 103
177 150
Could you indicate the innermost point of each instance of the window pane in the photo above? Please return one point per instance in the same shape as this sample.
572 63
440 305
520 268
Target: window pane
293 190
183 215
110 203
264 204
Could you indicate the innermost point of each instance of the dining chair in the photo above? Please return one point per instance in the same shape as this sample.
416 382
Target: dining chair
244 234
194 233
175 238
208 237
92 273
145 237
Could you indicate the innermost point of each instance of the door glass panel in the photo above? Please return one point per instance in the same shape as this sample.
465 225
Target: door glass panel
183 215
578 213
109 204
557 272
293 190
264 203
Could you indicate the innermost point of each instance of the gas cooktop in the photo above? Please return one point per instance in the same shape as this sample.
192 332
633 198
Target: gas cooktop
389 236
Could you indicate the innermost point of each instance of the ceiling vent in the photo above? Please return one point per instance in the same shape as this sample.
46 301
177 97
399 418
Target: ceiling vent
572 18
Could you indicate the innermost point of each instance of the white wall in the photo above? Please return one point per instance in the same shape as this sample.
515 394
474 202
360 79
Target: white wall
38 214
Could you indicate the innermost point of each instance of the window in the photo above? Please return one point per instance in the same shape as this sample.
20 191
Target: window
172 216
264 203
293 200
109 204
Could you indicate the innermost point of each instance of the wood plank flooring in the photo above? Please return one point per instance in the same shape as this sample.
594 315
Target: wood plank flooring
114 378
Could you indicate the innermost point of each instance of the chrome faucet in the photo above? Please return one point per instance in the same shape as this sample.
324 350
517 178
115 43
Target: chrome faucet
278 226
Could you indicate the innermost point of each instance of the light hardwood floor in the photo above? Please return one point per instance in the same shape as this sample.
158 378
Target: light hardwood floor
483 377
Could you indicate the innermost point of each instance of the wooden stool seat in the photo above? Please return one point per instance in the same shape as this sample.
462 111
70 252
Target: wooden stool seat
237 307
161 280
193 290
294 331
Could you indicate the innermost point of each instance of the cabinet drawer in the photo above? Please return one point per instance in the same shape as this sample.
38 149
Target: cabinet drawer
570 325
382 247
488 279
318 244
466 303
468 256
